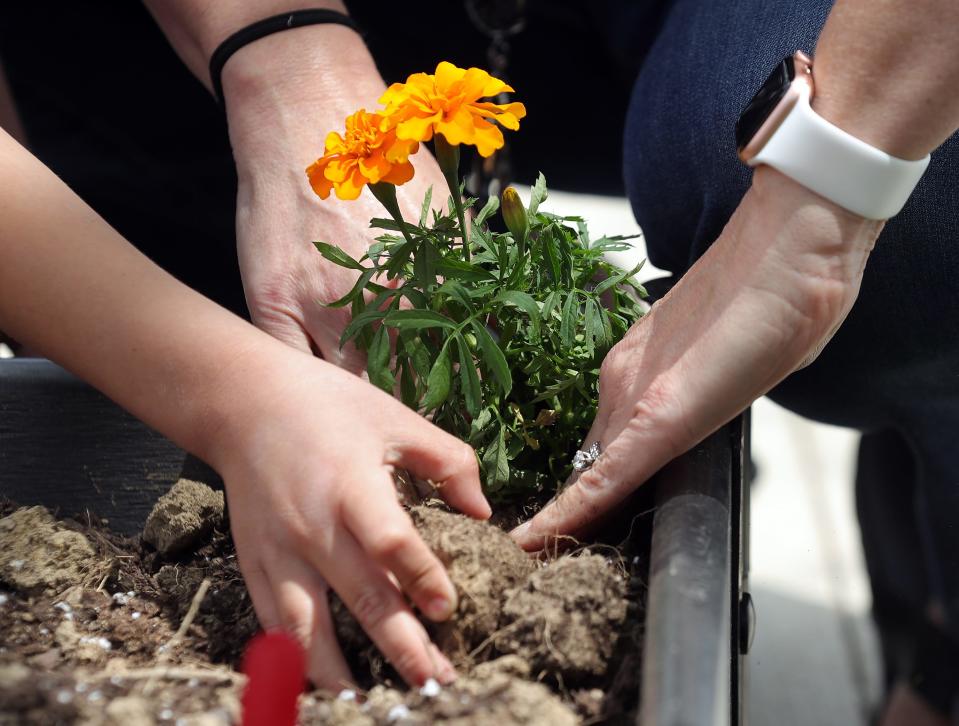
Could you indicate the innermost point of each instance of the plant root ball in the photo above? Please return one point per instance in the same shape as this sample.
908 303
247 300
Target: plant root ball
38 554
566 617
183 517
483 563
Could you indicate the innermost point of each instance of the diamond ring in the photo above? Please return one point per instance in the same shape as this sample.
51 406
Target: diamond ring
582 460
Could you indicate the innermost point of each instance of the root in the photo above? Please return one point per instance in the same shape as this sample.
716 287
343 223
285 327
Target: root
164 650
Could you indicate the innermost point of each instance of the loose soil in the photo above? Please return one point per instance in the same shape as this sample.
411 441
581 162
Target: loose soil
96 628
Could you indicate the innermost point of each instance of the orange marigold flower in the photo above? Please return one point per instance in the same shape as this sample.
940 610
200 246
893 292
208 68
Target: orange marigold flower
365 154
448 102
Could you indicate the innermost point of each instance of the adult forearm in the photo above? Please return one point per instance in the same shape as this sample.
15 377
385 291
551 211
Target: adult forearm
886 72
73 289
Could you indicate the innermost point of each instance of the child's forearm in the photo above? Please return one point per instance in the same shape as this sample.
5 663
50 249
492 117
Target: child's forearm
75 290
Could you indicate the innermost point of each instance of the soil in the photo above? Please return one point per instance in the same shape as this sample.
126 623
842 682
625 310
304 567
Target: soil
96 628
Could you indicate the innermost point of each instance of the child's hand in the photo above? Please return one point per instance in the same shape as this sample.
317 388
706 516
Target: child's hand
307 457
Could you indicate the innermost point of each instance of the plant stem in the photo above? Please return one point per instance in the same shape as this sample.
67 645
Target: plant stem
385 194
448 157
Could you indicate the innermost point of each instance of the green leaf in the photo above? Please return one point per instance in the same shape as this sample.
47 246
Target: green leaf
425 211
550 303
479 426
459 293
616 279
438 383
462 270
418 352
469 379
378 360
548 393
424 264
417 320
399 256
367 317
493 357
567 328
407 385
336 255
524 302
495 462
595 327
488 210
357 289
538 194
384 223
552 258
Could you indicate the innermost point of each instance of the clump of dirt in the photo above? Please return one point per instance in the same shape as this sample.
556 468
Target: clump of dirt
38 554
98 647
183 518
483 563
125 644
493 698
565 618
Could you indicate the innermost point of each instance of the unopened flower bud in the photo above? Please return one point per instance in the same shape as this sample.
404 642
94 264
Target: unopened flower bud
514 214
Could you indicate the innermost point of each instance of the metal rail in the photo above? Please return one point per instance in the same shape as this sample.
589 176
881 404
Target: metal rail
692 656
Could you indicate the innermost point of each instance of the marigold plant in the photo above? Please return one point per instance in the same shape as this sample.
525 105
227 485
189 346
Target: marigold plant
448 102
498 335
366 153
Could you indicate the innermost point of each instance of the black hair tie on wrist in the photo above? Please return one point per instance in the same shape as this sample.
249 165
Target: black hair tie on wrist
268 26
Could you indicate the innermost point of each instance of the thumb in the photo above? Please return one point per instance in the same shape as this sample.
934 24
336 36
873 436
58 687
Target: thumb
285 328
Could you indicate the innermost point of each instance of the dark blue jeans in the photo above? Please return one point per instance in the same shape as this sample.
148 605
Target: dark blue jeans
892 370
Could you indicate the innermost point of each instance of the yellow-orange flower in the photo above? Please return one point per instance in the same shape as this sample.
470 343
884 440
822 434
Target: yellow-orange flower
448 102
365 154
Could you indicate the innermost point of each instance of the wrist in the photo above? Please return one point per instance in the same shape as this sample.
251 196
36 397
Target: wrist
831 229
284 92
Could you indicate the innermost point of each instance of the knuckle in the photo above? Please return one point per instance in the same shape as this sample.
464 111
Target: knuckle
371 607
660 416
389 543
424 576
466 463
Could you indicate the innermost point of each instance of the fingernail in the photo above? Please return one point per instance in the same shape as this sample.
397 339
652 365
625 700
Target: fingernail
439 608
446 673
488 509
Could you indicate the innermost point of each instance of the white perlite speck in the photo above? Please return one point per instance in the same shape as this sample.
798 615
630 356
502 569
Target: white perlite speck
65 609
347 694
101 642
398 712
4 598
431 689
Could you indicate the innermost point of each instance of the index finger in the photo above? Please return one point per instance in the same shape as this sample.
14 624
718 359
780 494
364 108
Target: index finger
591 494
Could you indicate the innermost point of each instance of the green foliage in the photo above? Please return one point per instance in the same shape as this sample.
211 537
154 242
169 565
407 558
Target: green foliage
502 350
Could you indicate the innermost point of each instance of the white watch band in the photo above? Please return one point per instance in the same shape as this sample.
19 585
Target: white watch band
838 166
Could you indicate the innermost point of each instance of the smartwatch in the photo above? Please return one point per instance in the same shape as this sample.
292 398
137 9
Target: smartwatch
779 128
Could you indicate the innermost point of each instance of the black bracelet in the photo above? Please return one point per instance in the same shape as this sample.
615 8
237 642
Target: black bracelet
268 26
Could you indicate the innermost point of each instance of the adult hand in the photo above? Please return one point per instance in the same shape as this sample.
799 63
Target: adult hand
762 302
280 110
307 458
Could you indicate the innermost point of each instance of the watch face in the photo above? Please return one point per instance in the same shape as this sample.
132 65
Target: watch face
765 100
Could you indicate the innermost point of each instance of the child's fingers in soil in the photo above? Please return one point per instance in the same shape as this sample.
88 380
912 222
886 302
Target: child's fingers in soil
437 456
381 610
386 532
304 612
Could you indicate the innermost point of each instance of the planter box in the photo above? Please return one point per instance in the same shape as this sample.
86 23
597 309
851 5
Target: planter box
67 447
